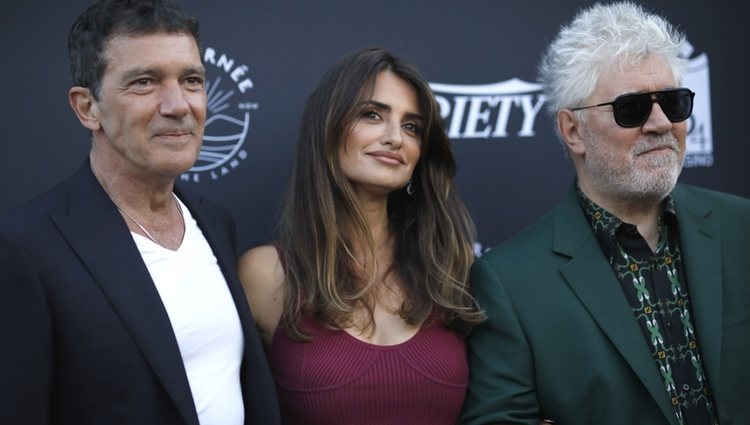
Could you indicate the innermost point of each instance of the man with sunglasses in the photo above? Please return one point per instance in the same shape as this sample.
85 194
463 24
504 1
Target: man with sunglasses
629 303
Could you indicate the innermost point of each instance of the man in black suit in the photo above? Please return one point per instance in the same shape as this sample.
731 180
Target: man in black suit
119 300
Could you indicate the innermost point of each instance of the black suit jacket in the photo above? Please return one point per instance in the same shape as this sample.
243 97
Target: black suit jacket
85 337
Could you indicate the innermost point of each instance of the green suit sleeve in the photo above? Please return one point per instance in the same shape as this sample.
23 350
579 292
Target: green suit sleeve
502 382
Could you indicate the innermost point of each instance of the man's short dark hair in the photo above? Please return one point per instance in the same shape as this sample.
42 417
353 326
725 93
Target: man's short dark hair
105 19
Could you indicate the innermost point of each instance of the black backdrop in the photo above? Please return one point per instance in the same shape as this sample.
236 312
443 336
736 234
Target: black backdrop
264 57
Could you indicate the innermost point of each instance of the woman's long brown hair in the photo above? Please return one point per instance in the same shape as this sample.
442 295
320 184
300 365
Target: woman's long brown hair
433 233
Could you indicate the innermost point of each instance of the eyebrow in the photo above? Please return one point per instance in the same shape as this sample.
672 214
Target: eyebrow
383 106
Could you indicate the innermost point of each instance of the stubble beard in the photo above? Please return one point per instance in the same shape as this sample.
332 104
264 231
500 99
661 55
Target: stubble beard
639 177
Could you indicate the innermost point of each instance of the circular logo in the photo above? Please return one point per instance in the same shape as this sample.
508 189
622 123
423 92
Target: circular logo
227 120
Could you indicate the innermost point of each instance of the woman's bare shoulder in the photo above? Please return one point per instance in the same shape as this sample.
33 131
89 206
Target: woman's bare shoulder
262 275
261 265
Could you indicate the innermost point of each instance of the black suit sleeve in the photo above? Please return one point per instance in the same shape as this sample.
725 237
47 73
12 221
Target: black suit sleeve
26 333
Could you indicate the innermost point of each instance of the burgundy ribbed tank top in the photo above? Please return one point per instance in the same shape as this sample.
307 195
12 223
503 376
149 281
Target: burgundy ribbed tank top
337 379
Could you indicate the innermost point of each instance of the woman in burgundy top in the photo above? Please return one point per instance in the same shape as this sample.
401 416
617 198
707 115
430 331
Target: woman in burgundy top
363 302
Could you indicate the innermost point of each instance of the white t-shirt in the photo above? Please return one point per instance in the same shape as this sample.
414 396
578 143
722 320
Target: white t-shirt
204 319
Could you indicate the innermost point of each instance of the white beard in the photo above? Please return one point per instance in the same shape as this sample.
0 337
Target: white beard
638 177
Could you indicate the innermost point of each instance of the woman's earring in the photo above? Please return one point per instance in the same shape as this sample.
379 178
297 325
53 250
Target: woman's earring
410 188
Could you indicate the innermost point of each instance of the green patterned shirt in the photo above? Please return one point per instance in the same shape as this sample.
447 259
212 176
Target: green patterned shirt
655 287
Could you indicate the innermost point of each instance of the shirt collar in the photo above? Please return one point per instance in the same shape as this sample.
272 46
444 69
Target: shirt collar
605 224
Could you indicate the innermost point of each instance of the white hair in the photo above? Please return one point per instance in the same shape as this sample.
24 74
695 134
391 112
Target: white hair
599 38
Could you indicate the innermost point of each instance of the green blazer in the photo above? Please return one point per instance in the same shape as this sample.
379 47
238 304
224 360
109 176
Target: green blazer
561 341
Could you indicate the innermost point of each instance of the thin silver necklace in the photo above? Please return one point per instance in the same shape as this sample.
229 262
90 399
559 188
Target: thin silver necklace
148 235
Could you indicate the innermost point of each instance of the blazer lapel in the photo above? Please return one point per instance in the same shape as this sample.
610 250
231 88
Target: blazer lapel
261 404
96 231
700 245
212 230
590 276
224 250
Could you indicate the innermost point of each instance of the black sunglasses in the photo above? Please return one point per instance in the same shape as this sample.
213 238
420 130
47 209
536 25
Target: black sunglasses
633 109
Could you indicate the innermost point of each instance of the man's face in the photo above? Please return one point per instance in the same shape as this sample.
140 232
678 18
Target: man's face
152 105
622 164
